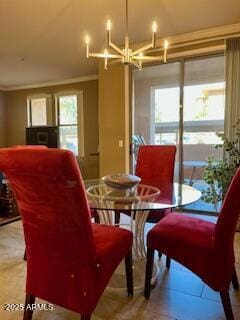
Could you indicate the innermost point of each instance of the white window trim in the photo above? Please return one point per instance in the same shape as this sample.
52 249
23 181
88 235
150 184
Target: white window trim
80 118
48 107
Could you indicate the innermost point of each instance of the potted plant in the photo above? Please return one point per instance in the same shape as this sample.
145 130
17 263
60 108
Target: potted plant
218 173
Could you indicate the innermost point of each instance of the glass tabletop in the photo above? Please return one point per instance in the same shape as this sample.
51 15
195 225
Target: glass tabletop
140 197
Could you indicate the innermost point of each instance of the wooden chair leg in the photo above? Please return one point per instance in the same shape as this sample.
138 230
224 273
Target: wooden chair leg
227 305
235 280
117 217
28 311
96 218
129 273
168 262
85 317
148 274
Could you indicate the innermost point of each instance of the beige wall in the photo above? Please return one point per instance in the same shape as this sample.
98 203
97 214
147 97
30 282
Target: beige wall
113 120
3 128
17 120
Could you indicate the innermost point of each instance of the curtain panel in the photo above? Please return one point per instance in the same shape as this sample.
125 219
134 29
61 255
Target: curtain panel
232 108
232 111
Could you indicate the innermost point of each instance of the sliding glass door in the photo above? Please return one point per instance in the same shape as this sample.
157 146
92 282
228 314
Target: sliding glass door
182 103
156 111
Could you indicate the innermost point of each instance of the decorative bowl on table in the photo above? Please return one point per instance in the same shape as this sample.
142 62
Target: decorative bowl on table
121 180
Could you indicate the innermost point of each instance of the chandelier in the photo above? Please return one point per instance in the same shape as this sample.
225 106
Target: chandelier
127 55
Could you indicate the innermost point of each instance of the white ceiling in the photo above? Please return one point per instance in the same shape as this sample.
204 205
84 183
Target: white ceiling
42 41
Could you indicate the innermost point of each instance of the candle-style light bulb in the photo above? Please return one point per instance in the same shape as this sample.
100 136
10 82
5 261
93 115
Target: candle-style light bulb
166 44
154 30
87 40
109 26
154 27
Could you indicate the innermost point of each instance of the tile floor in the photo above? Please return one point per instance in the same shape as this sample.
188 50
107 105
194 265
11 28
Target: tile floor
179 294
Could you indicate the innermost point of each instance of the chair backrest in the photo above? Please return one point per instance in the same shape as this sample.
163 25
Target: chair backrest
56 218
18 146
155 166
228 217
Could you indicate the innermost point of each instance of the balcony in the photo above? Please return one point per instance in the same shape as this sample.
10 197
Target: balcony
199 140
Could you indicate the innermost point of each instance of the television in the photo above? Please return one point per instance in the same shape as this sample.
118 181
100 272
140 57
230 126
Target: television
47 136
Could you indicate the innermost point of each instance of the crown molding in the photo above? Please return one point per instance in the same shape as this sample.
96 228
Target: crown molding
51 83
223 32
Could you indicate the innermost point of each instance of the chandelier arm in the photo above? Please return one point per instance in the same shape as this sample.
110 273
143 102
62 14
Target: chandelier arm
103 55
115 61
142 49
137 65
114 47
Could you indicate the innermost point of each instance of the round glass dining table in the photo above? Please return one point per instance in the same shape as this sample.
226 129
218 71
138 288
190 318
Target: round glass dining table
103 197
134 205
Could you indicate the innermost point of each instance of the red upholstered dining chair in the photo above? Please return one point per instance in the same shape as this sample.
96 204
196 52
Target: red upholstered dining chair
155 167
93 212
69 259
203 247
29 147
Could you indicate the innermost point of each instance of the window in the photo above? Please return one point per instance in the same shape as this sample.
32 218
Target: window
37 110
70 122
204 102
203 113
166 104
166 114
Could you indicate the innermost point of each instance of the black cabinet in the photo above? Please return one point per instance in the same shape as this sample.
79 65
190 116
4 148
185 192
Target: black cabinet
8 205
